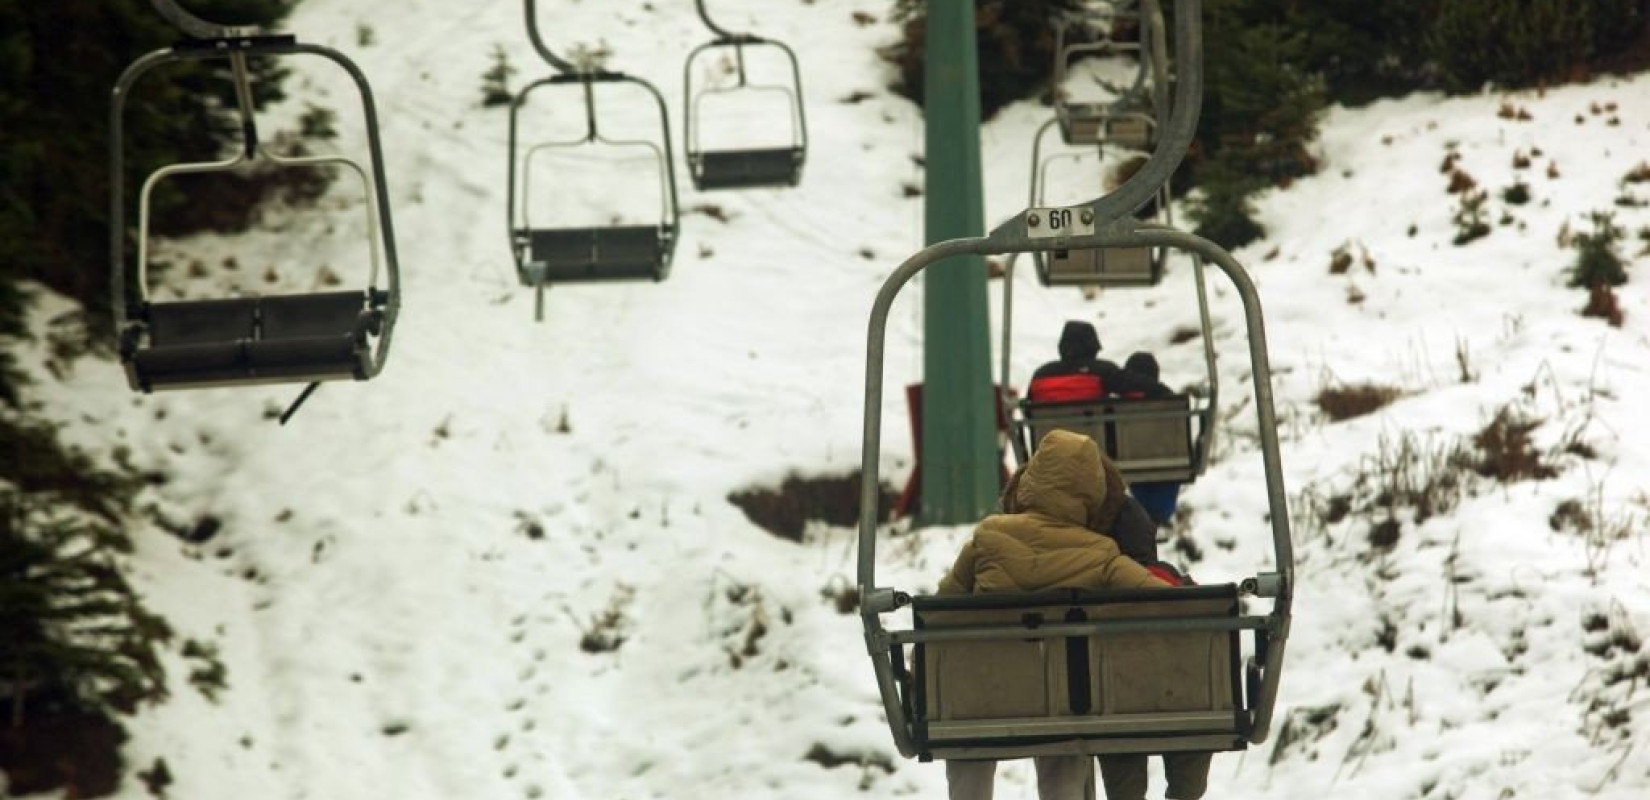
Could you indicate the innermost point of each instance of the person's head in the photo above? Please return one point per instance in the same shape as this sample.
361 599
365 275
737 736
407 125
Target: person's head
1142 364
1079 342
1068 478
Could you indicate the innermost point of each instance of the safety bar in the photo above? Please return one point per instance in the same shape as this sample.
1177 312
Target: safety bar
195 168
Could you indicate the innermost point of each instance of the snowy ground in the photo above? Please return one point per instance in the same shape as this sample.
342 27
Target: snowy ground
393 627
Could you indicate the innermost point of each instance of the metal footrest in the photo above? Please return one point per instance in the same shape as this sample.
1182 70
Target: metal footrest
745 169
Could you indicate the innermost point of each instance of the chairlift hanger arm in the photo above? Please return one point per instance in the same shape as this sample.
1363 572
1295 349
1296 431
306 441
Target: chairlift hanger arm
560 64
196 28
724 35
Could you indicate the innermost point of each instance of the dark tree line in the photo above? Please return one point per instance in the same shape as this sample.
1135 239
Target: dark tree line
58 62
1273 66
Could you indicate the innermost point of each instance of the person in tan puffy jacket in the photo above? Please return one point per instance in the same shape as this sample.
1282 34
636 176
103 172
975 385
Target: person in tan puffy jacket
1054 534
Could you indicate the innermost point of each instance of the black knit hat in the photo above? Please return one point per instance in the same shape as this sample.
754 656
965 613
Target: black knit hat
1079 342
1143 364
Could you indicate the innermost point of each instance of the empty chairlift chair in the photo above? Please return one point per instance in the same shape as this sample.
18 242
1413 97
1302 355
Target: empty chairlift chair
773 165
547 254
1128 120
308 337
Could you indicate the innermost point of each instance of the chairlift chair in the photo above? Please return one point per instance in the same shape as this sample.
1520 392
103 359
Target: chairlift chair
1071 672
1149 439
1068 672
1128 121
305 337
1100 267
547 254
742 168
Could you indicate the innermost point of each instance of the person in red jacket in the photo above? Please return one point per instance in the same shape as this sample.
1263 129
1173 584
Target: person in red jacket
1079 374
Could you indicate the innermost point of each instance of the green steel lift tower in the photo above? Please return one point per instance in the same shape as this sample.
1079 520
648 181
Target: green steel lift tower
960 460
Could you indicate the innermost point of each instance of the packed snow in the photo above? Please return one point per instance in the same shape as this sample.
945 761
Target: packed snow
411 575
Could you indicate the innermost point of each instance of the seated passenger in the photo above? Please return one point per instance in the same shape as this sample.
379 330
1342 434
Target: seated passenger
1046 538
1077 375
1160 498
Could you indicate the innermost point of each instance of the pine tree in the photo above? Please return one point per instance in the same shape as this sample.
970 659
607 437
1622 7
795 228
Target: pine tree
1015 40
73 627
1597 262
1221 211
495 82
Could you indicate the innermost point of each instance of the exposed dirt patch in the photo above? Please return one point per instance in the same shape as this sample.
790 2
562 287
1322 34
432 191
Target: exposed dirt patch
833 500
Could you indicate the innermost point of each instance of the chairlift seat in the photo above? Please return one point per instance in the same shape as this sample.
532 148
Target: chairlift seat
1102 266
1097 123
248 340
745 169
1148 439
565 255
1153 691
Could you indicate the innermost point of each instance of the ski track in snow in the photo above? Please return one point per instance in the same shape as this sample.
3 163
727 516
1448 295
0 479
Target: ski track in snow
391 627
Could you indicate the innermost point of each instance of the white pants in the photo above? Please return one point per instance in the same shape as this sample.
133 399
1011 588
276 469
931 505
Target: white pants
1058 778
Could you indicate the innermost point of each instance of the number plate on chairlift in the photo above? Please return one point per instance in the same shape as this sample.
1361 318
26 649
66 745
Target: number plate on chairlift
1047 223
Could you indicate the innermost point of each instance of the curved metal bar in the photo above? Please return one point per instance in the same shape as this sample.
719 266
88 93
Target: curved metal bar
1152 17
1211 425
875 600
149 184
704 16
366 188
200 167
380 193
1008 330
196 28
527 161
560 64
799 114
1175 137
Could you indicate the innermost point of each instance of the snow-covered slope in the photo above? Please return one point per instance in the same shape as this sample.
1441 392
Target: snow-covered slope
406 574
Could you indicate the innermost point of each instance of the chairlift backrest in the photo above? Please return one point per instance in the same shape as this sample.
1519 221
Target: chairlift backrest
1149 439
1149 688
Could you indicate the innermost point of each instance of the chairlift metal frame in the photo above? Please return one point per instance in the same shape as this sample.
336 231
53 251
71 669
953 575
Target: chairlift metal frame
742 168
1104 222
239 341
1098 123
592 253
1098 268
